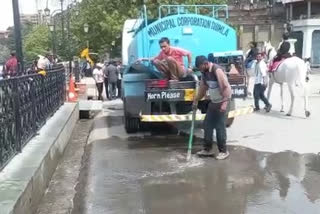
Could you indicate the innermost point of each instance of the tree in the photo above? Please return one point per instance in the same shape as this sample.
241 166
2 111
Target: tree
36 43
4 53
106 19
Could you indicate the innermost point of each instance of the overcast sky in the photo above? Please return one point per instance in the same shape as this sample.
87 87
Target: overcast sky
26 6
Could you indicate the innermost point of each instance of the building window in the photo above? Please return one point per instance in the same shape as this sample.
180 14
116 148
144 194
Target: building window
298 35
315 53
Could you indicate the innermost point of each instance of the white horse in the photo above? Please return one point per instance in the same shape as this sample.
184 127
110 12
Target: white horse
292 71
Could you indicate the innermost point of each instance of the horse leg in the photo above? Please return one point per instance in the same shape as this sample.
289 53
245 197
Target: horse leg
306 100
281 97
271 81
291 90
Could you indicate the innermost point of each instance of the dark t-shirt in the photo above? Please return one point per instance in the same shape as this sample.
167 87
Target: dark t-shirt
284 48
210 76
210 79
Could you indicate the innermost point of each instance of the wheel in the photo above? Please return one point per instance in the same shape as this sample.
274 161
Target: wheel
229 122
131 124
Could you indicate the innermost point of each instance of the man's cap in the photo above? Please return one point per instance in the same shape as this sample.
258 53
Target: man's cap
200 60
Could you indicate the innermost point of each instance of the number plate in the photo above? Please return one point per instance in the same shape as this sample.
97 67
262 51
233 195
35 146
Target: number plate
168 95
239 91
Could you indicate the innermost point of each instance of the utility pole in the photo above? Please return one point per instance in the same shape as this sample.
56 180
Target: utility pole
62 20
17 34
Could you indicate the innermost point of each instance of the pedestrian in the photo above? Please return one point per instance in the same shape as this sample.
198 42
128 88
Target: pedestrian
105 75
260 84
112 73
98 77
12 65
251 56
87 69
308 65
43 63
215 81
119 68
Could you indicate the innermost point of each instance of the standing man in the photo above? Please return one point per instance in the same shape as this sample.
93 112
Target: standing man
98 77
12 65
112 73
251 55
215 81
106 83
260 84
119 68
170 60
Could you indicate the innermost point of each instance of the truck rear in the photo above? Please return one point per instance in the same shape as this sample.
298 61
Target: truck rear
147 96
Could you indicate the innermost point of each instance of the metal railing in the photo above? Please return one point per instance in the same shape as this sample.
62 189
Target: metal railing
26 102
210 10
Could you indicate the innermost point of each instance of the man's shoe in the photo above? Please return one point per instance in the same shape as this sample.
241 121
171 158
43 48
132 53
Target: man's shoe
205 153
222 155
256 109
268 108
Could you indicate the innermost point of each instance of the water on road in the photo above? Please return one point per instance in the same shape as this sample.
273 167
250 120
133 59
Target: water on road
150 174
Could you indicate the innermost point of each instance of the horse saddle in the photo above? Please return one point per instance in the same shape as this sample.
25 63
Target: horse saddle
275 65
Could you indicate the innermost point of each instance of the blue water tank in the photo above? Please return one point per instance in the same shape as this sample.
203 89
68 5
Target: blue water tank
199 34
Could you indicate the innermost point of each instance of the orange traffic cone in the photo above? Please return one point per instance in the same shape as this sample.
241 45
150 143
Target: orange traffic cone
72 96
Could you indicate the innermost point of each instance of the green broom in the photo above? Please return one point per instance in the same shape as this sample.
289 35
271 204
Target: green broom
194 111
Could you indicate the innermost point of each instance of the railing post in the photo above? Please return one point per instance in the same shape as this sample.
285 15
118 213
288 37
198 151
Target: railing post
17 115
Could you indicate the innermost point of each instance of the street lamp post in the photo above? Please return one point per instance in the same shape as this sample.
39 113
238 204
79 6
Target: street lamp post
86 30
52 29
17 31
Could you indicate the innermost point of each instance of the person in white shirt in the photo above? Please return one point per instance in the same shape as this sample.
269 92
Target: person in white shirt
99 78
260 84
119 78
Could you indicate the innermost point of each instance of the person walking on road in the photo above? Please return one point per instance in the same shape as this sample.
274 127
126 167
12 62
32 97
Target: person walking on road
98 77
106 83
112 73
215 81
260 84
119 67
12 66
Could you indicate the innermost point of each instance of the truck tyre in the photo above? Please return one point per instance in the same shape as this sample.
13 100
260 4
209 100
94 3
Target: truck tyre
131 124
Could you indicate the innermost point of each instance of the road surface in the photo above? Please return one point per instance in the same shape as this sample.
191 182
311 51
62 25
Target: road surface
274 167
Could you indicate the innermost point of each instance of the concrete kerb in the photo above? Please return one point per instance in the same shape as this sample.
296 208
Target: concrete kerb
24 180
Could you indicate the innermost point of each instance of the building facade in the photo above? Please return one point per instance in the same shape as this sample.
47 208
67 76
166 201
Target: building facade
257 20
30 18
304 19
4 34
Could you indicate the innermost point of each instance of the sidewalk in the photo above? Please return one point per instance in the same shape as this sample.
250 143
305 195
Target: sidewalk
24 180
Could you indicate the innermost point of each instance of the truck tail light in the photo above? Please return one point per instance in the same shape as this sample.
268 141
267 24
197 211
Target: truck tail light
157 84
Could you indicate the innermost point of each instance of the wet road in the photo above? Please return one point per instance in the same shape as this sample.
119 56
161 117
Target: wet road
147 173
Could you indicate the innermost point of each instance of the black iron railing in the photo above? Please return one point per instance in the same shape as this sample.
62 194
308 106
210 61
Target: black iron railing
25 104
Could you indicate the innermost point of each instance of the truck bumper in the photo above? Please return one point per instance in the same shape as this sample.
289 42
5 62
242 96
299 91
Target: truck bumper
188 117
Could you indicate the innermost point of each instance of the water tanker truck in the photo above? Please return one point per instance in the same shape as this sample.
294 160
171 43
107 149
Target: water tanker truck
147 96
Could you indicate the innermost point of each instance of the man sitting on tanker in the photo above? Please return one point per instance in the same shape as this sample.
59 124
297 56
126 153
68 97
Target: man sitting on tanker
170 60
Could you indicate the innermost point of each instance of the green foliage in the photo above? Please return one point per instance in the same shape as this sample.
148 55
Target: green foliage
106 19
36 42
4 53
